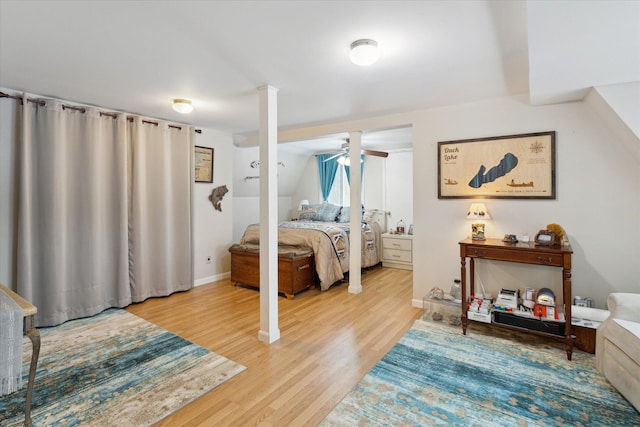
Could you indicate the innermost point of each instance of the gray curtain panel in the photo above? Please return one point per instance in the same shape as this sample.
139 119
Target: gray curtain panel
104 210
159 212
72 220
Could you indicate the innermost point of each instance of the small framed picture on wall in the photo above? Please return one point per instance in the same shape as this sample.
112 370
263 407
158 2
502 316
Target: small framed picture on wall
203 164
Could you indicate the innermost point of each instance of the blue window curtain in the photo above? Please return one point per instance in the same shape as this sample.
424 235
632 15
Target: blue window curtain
327 170
346 169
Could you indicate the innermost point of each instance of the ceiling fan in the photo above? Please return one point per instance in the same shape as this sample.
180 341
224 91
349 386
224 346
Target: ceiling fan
344 152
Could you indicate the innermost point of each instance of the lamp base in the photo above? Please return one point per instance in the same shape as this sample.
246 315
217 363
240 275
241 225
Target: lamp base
477 232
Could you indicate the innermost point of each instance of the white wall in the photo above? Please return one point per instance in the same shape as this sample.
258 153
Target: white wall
247 211
624 99
246 194
308 183
598 199
374 182
398 185
212 229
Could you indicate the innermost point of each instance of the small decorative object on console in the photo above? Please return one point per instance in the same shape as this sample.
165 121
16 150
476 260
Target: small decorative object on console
510 238
560 236
545 238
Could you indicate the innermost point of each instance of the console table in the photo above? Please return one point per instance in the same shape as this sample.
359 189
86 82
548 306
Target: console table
526 253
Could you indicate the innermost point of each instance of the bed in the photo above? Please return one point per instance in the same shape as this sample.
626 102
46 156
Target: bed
329 241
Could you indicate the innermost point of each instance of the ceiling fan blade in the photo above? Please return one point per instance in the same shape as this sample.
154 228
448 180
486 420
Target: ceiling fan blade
333 157
375 153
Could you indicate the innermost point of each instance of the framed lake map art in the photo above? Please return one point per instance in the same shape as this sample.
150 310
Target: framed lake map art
500 167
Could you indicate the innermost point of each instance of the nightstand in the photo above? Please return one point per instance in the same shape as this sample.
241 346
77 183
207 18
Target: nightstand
397 251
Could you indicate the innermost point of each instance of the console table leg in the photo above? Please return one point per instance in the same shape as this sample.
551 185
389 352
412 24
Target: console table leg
569 346
463 292
34 336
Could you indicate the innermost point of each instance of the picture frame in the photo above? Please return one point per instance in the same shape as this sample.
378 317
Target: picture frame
203 164
519 166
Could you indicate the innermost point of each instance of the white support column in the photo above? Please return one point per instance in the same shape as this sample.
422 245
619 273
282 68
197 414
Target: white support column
268 136
355 236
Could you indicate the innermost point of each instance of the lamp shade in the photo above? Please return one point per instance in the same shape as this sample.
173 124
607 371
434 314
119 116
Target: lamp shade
478 211
364 52
303 204
182 106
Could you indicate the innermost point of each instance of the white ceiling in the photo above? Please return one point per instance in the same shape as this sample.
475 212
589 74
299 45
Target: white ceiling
136 56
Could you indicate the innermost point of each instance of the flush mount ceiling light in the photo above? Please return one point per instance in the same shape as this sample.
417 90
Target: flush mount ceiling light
364 52
182 106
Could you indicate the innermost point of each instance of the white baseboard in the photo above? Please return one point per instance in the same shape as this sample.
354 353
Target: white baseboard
214 278
417 303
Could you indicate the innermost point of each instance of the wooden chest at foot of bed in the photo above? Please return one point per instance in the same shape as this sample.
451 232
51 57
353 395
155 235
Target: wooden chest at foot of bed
296 268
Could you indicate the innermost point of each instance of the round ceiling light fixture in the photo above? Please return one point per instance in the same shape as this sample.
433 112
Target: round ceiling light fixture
182 106
364 52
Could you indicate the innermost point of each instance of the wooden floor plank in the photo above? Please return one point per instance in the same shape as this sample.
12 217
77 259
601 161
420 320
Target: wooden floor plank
329 341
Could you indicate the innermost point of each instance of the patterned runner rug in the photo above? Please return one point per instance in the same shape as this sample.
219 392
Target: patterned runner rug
114 369
436 375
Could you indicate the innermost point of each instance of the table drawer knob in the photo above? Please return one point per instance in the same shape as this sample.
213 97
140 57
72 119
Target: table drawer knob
480 254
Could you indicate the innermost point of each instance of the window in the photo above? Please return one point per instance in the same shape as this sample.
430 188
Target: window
340 191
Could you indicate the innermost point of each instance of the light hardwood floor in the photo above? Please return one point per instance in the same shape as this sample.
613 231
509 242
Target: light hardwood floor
329 341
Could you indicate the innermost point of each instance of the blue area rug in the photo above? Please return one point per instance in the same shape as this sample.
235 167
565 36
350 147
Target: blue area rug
436 376
114 369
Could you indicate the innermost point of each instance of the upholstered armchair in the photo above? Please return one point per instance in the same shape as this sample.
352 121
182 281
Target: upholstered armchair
618 345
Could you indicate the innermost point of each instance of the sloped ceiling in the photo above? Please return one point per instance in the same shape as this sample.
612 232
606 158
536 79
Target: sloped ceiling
136 56
576 45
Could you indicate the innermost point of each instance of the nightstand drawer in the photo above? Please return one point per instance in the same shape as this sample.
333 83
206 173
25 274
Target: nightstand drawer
400 244
396 255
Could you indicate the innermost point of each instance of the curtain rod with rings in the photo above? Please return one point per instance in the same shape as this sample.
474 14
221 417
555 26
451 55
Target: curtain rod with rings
42 103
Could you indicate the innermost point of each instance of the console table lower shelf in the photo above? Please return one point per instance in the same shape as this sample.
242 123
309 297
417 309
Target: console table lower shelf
523 253
559 336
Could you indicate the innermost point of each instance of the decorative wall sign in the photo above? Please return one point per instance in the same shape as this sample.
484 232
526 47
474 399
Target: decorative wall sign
216 196
203 164
501 167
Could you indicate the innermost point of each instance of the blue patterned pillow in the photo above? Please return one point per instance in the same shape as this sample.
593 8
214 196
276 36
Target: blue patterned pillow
328 213
345 214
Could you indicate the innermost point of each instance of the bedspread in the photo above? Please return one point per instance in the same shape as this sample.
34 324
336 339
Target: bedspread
328 241
371 239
